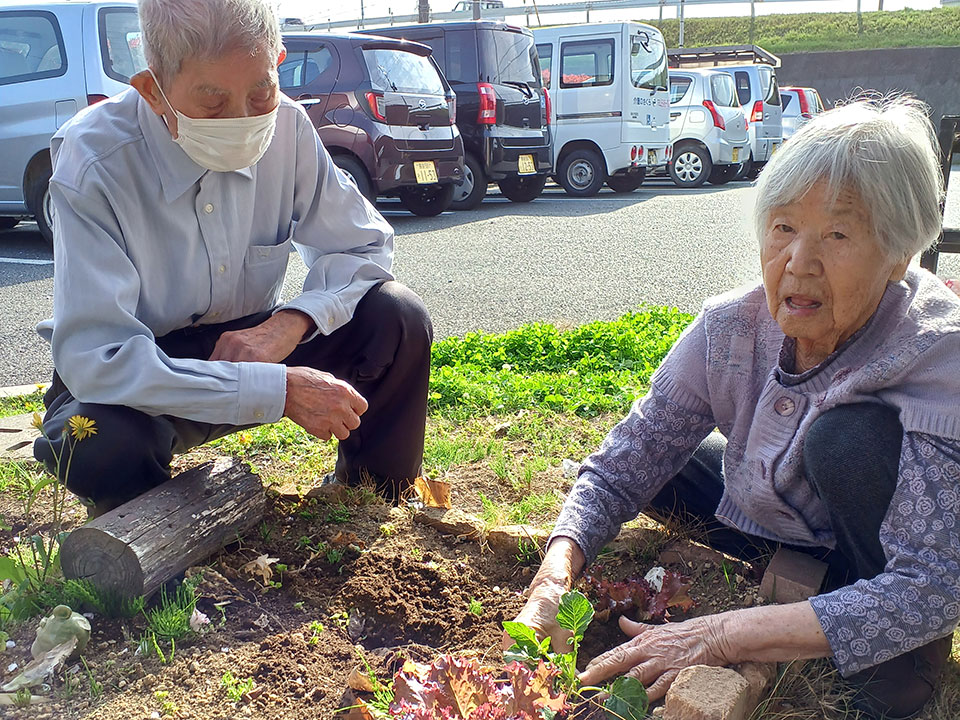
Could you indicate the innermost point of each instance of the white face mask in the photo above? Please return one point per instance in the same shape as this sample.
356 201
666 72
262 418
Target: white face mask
223 144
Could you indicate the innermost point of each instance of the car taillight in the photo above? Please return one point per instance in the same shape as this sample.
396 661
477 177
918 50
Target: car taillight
452 107
94 99
804 104
547 105
633 153
717 117
757 114
378 106
487 115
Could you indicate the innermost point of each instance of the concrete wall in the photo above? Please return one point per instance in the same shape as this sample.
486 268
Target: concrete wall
929 73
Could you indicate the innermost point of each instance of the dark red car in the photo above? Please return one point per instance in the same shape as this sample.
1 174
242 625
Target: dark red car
384 112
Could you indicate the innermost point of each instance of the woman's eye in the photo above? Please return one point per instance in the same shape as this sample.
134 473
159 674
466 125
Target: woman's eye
783 228
838 235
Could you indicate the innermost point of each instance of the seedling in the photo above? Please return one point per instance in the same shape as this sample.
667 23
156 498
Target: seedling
96 689
316 627
167 707
475 607
236 687
22 698
339 514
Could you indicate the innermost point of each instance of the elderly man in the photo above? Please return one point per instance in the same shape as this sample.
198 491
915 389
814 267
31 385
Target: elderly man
177 203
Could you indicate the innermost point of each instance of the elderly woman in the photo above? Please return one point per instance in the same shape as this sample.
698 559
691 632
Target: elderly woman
834 387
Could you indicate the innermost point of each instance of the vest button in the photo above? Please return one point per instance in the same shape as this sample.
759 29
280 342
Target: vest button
785 406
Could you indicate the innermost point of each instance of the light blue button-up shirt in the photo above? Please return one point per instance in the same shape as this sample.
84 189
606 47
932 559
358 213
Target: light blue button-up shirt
146 241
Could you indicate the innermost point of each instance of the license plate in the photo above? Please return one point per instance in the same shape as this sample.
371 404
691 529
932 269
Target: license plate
736 154
651 157
774 148
426 172
526 165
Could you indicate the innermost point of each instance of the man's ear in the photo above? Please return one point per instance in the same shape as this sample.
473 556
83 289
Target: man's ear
144 84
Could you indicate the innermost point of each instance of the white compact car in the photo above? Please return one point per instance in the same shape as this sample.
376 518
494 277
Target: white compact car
707 128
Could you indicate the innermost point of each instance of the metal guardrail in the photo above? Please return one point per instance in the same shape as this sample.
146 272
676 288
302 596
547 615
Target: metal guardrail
950 237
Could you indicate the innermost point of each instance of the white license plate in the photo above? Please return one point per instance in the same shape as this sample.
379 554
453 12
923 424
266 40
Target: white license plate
736 154
426 171
526 165
651 157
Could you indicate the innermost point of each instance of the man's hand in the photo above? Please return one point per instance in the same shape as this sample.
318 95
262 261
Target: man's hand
657 653
271 341
321 404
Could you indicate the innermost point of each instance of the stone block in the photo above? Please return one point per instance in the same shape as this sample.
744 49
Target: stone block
687 552
792 576
760 677
505 540
701 692
451 522
16 437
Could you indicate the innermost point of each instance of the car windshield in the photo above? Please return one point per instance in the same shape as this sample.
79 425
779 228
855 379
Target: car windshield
648 61
509 58
402 71
121 46
723 90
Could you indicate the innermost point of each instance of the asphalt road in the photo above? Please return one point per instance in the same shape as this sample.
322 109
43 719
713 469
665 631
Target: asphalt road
557 259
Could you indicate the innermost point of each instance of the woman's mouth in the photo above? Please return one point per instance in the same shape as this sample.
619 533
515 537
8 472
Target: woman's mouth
800 302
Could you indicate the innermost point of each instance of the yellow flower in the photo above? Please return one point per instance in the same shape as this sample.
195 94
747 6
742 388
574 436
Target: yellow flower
82 427
37 421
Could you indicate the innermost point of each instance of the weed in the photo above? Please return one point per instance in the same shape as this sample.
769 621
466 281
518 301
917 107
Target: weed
236 687
388 529
528 554
334 556
475 607
342 619
22 698
535 505
299 605
339 514
166 706
265 531
169 621
316 627
729 575
382 692
19 404
96 689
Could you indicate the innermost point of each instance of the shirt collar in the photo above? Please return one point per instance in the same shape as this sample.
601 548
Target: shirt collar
177 171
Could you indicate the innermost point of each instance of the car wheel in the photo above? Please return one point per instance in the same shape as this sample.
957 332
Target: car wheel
8 223
746 168
356 173
522 188
582 173
427 200
470 192
41 205
628 182
691 166
721 175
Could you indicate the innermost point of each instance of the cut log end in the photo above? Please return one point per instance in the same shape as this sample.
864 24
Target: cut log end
106 561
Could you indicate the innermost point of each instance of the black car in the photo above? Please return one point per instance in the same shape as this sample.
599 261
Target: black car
502 107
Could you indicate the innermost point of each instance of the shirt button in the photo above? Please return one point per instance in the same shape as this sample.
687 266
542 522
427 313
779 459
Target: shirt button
208 208
258 415
785 406
222 268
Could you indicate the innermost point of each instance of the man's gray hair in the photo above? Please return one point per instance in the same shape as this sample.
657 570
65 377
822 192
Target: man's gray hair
885 150
177 30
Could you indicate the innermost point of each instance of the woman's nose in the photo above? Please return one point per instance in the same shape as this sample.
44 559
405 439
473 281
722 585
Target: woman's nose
804 255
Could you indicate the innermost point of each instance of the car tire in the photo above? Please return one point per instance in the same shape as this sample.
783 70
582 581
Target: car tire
722 174
468 194
355 171
582 173
8 223
427 200
522 188
690 167
746 168
41 205
628 182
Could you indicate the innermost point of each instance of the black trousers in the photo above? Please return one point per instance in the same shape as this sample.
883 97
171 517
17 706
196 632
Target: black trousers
383 352
852 457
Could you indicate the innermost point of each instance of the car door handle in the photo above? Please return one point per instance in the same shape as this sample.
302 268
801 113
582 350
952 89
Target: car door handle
308 100
674 115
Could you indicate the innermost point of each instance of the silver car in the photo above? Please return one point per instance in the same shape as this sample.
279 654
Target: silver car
760 97
55 59
800 104
707 128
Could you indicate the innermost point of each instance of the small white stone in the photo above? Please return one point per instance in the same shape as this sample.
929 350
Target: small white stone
11 644
11 667
155 715
570 469
225 649
89 616
496 588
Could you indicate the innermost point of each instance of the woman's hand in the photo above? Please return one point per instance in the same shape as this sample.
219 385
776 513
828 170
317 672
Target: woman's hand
657 653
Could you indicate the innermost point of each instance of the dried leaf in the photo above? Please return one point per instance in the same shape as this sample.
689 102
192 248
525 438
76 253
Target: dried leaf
433 493
343 538
261 567
37 671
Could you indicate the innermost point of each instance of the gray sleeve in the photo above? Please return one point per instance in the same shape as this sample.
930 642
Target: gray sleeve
916 599
644 451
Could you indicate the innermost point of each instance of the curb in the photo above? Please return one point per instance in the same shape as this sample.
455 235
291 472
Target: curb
16 390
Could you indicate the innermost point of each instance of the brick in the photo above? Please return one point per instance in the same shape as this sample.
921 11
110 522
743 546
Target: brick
16 437
701 692
792 576
451 522
760 678
505 540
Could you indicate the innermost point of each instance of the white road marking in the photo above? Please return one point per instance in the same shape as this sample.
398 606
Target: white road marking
25 261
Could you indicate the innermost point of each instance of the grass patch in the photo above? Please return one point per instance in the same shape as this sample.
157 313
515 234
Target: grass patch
806 32
19 404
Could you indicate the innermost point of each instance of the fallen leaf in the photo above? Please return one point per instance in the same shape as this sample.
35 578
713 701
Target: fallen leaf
37 671
433 493
261 567
345 538
359 680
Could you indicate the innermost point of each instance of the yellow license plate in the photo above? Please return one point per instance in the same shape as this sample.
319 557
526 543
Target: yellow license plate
736 154
651 157
527 165
774 148
426 172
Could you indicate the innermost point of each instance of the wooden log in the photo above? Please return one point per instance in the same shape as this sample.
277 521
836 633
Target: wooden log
135 548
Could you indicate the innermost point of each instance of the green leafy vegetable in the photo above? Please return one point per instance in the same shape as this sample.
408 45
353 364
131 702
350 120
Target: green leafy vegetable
627 700
575 613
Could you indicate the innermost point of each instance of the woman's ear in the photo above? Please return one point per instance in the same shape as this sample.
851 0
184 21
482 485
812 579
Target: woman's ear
899 271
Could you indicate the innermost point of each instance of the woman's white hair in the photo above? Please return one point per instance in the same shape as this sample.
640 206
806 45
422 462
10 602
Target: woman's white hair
177 30
885 150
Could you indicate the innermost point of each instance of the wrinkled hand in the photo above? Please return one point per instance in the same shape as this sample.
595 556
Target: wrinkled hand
271 341
657 653
540 613
321 404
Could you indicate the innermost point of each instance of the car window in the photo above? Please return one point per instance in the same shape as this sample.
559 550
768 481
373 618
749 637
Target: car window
545 53
648 62
461 56
586 63
723 90
516 57
678 88
768 85
785 100
742 79
121 46
31 46
814 98
301 68
402 71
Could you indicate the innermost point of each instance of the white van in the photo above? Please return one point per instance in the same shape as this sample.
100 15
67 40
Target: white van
610 104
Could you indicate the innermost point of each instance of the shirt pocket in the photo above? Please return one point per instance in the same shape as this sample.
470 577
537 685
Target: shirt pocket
264 268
